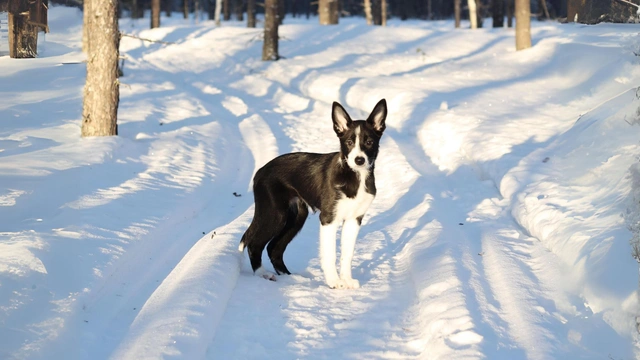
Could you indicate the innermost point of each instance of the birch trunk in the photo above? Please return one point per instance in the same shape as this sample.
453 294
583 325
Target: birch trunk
473 17
523 24
270 45
101 90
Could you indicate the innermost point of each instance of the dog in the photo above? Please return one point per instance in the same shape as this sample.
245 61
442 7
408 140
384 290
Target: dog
341 185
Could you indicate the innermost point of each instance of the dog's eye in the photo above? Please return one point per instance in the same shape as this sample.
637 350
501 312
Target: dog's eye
349 142
369 142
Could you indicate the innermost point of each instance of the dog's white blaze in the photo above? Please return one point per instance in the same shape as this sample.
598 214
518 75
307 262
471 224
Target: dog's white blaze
355 152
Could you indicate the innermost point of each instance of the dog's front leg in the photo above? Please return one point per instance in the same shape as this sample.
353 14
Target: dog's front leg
328 253
350 230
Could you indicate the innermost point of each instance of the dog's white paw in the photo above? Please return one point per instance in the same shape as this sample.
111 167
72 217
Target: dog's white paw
346 284
265 274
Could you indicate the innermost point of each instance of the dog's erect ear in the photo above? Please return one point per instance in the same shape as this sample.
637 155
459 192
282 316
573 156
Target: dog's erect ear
341 119
378 116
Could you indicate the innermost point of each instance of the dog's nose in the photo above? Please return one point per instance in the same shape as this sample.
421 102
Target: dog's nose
359 160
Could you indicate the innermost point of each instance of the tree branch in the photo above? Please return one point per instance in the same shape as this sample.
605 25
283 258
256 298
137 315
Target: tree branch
149 40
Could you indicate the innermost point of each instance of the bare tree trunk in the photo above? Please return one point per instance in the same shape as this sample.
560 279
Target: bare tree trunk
334 11
270 45
456 11
497 12
239 10
218 11
251 13
86 24
544 8
523 24
135 12
323 12
472 14
168 7
376 12
510 4
328 12
367 12
429 10
101 91
226 10
185 9
479 13
155 14
23 37
281 11
383 12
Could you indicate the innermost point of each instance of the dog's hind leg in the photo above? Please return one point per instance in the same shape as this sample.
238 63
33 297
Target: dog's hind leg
268 221
296 216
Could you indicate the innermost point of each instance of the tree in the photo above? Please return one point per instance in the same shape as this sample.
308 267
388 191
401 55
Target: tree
281 11
226 10
510 4
543 3
479 13
86 25
25 19
383 12
251 13
101 90
367 12
239 10
497 12
218 10
135 13
185 9
328 12
472 13
155 14
523 24
270 45
456 11
168 7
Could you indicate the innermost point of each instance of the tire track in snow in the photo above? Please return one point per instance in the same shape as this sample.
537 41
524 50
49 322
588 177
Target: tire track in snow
190 314
159 273
181 317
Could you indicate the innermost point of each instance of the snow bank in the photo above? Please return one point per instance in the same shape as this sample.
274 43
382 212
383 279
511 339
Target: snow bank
572 195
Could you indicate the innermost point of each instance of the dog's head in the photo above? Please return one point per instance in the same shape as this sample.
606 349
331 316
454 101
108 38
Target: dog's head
359 139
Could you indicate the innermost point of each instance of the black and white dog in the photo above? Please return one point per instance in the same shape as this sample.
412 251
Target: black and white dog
340 185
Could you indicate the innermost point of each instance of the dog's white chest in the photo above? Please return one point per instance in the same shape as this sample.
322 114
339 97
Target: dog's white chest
351 208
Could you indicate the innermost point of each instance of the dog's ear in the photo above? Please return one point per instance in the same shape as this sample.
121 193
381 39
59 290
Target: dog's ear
341 120
378 116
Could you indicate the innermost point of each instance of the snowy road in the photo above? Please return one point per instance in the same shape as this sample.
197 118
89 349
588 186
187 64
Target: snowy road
496 233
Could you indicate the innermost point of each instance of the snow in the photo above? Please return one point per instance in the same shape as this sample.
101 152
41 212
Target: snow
507 207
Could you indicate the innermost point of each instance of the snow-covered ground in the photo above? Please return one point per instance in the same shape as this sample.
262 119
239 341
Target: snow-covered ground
500 230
